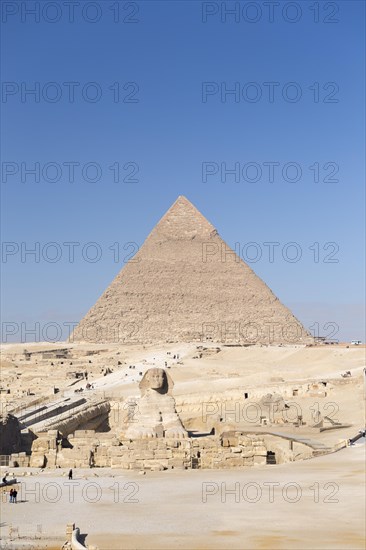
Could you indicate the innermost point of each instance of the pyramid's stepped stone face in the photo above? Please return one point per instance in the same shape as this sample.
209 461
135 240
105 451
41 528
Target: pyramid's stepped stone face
186 284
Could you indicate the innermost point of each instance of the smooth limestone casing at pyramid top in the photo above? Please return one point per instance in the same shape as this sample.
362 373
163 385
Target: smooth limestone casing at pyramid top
185 284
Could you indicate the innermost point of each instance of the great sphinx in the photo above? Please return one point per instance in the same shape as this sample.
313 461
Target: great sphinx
153 414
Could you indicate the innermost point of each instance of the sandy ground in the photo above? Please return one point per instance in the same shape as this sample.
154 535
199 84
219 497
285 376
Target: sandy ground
232 367
314 504
323 507
231 372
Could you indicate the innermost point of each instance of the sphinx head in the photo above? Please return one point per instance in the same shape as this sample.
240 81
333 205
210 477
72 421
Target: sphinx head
157 380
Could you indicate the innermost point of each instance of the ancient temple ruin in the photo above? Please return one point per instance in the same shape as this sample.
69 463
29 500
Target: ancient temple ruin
147 433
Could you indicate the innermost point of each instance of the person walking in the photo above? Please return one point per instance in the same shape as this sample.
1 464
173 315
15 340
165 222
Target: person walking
11 495
70 474
15 494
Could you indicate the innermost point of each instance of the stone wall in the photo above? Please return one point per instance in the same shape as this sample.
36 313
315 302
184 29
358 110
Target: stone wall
155 454
21 460
231 450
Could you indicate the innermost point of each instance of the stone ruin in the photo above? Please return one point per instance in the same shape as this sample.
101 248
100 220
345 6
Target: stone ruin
153 414
151 436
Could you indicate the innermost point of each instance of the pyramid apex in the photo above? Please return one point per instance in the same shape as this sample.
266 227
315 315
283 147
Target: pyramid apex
183 221
181 199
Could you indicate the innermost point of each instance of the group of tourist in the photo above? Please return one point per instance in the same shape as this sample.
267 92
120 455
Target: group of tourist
13 495
13 492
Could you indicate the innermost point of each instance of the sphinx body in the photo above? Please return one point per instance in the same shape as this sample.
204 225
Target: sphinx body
153 414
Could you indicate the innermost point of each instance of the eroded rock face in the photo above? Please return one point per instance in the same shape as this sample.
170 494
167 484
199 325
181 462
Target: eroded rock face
76 418
10 441
153 414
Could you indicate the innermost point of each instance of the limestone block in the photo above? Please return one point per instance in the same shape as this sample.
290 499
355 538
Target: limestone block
84 433
24 461
173 443
69 529
225 452
180 454
207 462
102 451
245 442
152 463
208 452
81 452
116 451
236 449
66 453
40 445
128 445
120 465
37 461
127 457
102 462
233 462
145 455
81 463
184 444
117 466
51 458
65 463
207 443
175 463
247 453
230 441
85 442
259 460
141 444
162 454
157 468
258 452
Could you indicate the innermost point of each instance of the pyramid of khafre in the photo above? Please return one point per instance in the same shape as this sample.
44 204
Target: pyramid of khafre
185 284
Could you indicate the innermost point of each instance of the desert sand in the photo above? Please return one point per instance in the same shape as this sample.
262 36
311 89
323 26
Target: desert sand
169 511
316 503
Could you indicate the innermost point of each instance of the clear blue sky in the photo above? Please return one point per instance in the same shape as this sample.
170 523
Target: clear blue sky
169 131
